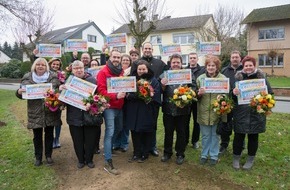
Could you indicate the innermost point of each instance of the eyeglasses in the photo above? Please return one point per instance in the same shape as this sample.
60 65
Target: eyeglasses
77 68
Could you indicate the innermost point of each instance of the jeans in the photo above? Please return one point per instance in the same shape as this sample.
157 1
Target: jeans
113 126
210 141
57 131
122 140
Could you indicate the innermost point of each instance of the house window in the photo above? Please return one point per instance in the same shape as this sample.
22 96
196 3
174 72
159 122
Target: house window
156 39
183 38
271 33
266 61
121 49
92 38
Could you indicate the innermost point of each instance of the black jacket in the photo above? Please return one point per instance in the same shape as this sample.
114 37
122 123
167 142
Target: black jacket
196 72
230 73
245 119
74 115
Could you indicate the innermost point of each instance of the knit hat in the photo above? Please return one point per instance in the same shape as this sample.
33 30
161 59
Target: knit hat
134 51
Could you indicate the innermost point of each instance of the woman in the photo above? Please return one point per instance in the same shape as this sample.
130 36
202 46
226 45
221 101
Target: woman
140 116
39 119
122 140
84 137
55 66
206 117
174 118
245 120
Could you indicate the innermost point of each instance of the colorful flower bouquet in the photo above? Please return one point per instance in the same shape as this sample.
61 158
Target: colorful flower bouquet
144 90
183 96
263 103
96 104
222 105
51 100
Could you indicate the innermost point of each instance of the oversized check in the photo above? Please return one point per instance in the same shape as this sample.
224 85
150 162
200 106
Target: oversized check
121 84
76 45
117 39
73 98
209 48
182 76
36 91
49 50
248 84
216 85
246 95
95 70
80 85
168 50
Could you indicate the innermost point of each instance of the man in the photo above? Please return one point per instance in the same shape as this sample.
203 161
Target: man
157 66
196 71
114 115
86 59
230 71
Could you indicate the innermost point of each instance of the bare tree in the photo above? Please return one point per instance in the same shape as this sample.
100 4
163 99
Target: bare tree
141 17
273 50
28 32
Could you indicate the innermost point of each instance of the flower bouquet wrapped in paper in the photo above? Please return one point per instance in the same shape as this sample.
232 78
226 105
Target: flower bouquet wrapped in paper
263 103
51 100
144 90
182 96
222 105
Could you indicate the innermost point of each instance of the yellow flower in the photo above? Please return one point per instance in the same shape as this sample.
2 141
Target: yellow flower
189 97
270 105
175 96
272 101
269 96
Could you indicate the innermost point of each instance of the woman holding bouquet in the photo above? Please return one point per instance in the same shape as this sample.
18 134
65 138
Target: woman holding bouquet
247 121
40 119
141 112
84 137
55 66
174 117
206 116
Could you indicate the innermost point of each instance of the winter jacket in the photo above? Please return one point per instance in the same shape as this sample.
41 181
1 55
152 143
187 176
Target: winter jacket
37 115
74 115
205 113
139 116
102 77
245 119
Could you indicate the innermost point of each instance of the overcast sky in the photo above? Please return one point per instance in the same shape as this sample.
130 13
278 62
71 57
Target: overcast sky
103 12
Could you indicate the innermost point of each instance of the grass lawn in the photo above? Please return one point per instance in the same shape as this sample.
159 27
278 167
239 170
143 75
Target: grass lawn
270 171
279 81
16 151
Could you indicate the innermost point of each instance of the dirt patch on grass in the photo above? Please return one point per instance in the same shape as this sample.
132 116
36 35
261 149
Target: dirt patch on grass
152 174
2 124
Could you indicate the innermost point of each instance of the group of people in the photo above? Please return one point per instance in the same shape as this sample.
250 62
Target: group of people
128 113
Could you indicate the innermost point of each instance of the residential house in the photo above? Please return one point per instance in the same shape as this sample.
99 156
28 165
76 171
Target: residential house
269 38
185 31
4 58
87 31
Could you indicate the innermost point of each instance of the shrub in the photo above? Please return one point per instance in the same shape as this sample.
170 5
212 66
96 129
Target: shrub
25 67
11 69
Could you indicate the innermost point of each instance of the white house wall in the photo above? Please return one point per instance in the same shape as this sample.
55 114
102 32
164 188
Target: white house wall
93 31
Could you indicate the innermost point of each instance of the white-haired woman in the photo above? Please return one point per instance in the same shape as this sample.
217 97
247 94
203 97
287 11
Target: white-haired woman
39 119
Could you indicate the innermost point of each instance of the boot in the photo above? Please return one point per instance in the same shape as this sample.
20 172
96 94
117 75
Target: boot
236 161
57 144
250 161
54 143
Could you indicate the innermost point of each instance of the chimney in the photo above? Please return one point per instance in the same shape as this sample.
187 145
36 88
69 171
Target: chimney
155 17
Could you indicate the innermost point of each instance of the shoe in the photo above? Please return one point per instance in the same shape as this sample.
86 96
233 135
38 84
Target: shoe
195 145
110 168
179 160
222 150
116 148
98 151
123 149
133 159
49 161
37 163
165 158
154 152
91 165
57 144
203 161
142 160
249 164
213 162
236 161
80 165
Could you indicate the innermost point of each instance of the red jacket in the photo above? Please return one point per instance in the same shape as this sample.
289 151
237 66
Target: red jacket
102 88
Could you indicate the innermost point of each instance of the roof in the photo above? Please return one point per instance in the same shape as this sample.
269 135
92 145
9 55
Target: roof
168 23
58 36
268 14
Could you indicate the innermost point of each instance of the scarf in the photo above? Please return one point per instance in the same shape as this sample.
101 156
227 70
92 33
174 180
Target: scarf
40 79
116 70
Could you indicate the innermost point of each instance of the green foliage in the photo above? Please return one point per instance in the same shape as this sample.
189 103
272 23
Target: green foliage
16 152
279 81
25 67
91 50
11 69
